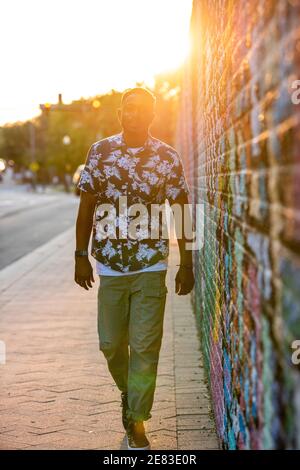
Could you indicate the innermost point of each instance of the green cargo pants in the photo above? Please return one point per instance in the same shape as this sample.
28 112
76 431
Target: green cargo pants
131 314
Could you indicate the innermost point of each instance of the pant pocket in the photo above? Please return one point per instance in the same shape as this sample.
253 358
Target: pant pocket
154 284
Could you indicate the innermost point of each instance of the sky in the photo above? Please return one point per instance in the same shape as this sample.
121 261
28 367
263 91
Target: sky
83 48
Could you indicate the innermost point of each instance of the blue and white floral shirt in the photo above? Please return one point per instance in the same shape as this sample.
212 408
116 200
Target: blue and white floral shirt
150 176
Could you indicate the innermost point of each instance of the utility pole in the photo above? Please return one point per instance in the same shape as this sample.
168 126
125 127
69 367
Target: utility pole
32 140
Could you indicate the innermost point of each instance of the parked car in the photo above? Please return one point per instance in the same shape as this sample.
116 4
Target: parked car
75 179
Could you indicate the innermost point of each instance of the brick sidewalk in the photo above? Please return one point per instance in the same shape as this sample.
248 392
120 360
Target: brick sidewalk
56 391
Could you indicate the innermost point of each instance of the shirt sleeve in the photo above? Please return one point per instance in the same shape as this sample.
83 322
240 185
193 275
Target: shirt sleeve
176 183
89 177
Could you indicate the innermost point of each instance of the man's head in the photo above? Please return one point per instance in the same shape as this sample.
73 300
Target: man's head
137 110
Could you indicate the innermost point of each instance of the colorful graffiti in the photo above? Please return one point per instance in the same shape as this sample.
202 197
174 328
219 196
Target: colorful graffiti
239 134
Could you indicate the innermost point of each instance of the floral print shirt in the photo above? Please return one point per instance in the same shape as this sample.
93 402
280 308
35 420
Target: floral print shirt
150 176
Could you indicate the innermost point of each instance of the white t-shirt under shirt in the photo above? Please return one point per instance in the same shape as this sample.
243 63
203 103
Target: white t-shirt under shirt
106 271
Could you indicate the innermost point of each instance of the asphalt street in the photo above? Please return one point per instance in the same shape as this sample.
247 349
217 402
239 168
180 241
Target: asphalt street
32 220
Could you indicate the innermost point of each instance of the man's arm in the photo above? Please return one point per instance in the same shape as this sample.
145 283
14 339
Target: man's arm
184 280
84 223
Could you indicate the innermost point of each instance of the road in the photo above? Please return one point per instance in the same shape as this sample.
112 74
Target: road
28 220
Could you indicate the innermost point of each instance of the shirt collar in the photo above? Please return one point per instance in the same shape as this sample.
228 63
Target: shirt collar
149 144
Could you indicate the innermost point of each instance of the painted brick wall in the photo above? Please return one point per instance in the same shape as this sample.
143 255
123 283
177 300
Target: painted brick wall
239 136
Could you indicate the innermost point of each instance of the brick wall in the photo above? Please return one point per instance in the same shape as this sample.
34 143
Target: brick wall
239 136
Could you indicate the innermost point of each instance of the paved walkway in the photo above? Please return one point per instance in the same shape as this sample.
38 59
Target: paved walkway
56 391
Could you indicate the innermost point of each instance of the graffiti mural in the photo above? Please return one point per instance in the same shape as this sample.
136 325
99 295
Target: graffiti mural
239 134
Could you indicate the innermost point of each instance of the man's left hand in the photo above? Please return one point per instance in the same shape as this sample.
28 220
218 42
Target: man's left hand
184 280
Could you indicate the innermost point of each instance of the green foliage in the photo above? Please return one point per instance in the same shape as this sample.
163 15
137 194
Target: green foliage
84 121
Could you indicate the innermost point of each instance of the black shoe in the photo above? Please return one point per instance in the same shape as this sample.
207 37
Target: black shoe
124 405
136 437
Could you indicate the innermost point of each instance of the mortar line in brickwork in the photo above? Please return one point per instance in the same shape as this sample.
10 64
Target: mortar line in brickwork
215 279
253 261
244 226
232 308
237 97
247 87
239 198
269 61
244 277
229 42
245 252
247 171
281 128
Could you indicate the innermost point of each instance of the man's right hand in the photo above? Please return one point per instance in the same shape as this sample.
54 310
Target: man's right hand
83 272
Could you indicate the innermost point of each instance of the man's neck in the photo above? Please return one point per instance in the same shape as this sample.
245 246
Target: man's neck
135 140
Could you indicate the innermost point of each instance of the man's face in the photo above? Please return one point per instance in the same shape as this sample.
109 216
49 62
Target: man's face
136 113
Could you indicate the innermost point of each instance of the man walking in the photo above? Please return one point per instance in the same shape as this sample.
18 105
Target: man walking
140 171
